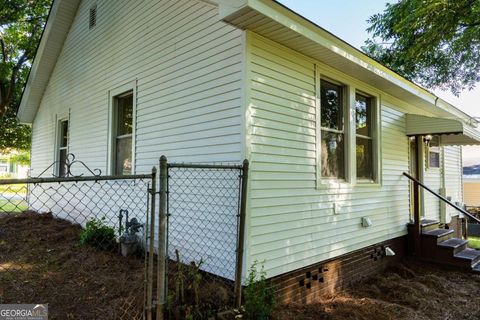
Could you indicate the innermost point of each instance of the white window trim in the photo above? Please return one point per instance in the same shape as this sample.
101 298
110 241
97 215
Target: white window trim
427 158
56 156
324 182
131 86
376 141
351 88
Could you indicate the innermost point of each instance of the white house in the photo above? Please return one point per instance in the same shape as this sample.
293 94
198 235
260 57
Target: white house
328 131
10 168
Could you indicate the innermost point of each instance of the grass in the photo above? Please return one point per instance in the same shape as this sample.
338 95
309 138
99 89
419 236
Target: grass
20 189
13 206
11 198
474 242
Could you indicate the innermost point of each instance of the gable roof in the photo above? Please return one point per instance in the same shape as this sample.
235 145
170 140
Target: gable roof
265 17
56 30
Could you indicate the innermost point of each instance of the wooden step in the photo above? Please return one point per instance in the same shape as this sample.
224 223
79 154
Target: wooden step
476 268
468 257
454 244
427 225
439 235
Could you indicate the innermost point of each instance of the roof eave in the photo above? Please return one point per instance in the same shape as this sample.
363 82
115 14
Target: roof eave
330 47
59 21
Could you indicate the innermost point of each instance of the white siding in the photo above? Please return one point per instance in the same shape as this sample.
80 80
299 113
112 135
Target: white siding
292 222
433 179
186 67
453 177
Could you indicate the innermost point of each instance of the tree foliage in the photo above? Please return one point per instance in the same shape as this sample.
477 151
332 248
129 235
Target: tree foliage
433 42
21 25
13 136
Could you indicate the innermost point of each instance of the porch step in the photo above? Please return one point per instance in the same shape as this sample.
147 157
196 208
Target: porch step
439 234
427 224
469 256
454 244
476 268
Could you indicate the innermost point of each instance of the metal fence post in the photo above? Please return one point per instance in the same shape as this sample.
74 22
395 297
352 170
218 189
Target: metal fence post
241 236
151 249
162 239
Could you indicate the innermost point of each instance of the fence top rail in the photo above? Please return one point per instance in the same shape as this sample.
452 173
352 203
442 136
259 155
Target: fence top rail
74 179
205 166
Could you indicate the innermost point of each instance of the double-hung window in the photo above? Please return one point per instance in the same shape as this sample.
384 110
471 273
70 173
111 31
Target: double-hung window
123 130
434 153
62 148
332 106
364 136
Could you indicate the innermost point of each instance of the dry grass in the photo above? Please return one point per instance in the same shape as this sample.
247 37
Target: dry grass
409 291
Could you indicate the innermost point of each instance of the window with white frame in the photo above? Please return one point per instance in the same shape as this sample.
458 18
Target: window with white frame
332 106
122 131
62 148
364 136
434 153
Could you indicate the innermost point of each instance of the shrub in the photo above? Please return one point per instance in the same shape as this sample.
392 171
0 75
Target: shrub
97 234
259 295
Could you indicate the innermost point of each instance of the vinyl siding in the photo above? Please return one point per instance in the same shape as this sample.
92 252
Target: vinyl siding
453 178
188 72
292 222
433 179
186 68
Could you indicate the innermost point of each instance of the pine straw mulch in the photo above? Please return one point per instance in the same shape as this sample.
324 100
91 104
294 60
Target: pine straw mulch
41 261
407 291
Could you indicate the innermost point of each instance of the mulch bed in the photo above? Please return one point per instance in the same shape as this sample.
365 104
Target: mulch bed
408 291
41 261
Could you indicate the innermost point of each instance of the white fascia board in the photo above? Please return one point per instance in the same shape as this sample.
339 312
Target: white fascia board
278 13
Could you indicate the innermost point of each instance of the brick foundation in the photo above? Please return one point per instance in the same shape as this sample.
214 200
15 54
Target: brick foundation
308 284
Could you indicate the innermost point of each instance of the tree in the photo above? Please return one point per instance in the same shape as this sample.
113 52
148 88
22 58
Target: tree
21 25
13 136
435 43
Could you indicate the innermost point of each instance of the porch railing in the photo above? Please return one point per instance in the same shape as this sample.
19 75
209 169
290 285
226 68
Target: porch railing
418 183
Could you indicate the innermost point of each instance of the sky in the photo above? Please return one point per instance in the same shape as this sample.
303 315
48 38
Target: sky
347 19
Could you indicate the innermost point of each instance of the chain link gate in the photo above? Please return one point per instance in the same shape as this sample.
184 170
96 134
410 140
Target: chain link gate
201 215
59 243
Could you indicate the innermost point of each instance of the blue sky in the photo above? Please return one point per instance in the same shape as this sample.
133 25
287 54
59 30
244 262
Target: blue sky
347 19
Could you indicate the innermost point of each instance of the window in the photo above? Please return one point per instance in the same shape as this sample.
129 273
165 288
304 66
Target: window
364 137
62 149
434 153
332 130
123 129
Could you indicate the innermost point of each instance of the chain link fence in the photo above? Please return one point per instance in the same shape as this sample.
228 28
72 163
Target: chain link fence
204 213
62 240
102 247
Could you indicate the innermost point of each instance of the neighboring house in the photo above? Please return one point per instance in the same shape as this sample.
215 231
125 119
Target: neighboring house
471 189
328 131
471 185
9 168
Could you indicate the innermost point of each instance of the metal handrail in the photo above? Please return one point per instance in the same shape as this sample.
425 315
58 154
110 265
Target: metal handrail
465 212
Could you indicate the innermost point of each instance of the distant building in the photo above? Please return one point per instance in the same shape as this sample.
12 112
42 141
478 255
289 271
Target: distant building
9 168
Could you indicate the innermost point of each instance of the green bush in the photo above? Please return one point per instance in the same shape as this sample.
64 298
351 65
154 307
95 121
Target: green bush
259 295
97 234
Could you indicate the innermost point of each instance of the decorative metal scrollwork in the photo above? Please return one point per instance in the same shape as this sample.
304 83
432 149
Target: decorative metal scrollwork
70 161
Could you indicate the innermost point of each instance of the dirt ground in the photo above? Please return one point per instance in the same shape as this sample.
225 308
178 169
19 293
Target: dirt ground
41 261
409 291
